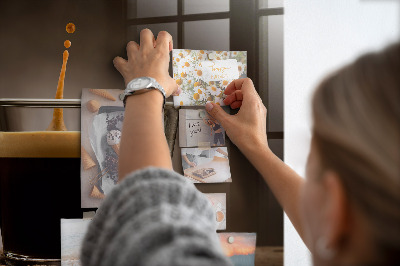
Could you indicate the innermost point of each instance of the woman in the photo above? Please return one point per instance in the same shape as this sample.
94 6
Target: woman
346 211
218 131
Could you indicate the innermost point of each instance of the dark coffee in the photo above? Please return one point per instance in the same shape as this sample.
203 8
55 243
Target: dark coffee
35 193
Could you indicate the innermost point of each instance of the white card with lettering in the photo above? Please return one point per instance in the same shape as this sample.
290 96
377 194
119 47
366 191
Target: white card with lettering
217 70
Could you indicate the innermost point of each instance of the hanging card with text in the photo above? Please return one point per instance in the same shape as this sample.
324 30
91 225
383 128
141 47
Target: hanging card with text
204 75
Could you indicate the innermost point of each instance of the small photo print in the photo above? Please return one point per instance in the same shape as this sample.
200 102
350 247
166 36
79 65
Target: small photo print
198 128
102 115
206 165
72 233
203 75
218 201
240 248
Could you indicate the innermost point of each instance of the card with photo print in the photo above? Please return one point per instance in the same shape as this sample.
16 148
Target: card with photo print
197 129
218 201
240 248
206 165
72 234
102 114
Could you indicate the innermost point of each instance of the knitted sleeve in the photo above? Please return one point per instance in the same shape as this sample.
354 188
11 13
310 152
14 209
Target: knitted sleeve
153 217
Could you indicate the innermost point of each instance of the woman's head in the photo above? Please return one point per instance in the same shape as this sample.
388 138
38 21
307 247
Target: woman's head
354 164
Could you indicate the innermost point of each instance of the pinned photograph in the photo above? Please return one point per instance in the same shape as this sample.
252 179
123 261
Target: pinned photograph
206 165
102 115
198 129
218 201
240 248
72 233
203 75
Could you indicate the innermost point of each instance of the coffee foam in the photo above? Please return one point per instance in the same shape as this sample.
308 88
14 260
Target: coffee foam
40 144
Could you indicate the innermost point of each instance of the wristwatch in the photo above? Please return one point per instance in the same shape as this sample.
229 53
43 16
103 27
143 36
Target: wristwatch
140 85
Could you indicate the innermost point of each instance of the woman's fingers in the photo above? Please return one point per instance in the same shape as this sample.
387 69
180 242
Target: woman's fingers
164 41
131 49
239 91
245 85
233 97
119 63
236 105
146 40
230 88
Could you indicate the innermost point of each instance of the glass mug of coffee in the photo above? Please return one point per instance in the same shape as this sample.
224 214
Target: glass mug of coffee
39 178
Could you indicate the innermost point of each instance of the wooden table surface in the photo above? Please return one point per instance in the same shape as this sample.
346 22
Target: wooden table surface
265 256
269 256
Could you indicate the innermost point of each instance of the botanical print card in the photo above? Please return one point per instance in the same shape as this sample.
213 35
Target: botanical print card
203 74
72 233
218 201
102 115
206 165
240 248
197 128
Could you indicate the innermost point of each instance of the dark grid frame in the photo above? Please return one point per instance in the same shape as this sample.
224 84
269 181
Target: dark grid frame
240 25
244 25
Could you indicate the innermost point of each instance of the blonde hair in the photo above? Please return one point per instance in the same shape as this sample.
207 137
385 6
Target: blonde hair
356 114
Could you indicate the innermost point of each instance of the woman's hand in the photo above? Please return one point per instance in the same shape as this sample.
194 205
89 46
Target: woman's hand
246 129
149 59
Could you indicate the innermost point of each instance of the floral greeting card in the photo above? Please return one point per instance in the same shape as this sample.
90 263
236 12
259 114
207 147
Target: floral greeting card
203 75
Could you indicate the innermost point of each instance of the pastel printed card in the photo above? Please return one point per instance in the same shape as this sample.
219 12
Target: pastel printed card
102 114
240 248
218 201
72 234
203 74
206 165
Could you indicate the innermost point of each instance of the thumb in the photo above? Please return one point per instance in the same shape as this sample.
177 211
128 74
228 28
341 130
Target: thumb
218 113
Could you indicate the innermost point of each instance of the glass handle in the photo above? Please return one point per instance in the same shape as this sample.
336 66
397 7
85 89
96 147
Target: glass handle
40 103
45 103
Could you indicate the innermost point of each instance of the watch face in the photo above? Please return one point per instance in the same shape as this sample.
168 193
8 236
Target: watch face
140 83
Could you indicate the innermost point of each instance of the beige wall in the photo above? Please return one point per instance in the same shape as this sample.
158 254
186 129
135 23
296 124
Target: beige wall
321 36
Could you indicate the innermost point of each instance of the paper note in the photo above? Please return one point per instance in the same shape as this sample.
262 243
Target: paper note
240 248
102 115
198 129
101 123
72 233
206 165
218 201
217 70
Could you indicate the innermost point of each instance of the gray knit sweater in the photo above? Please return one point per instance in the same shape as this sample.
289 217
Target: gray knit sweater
153 217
